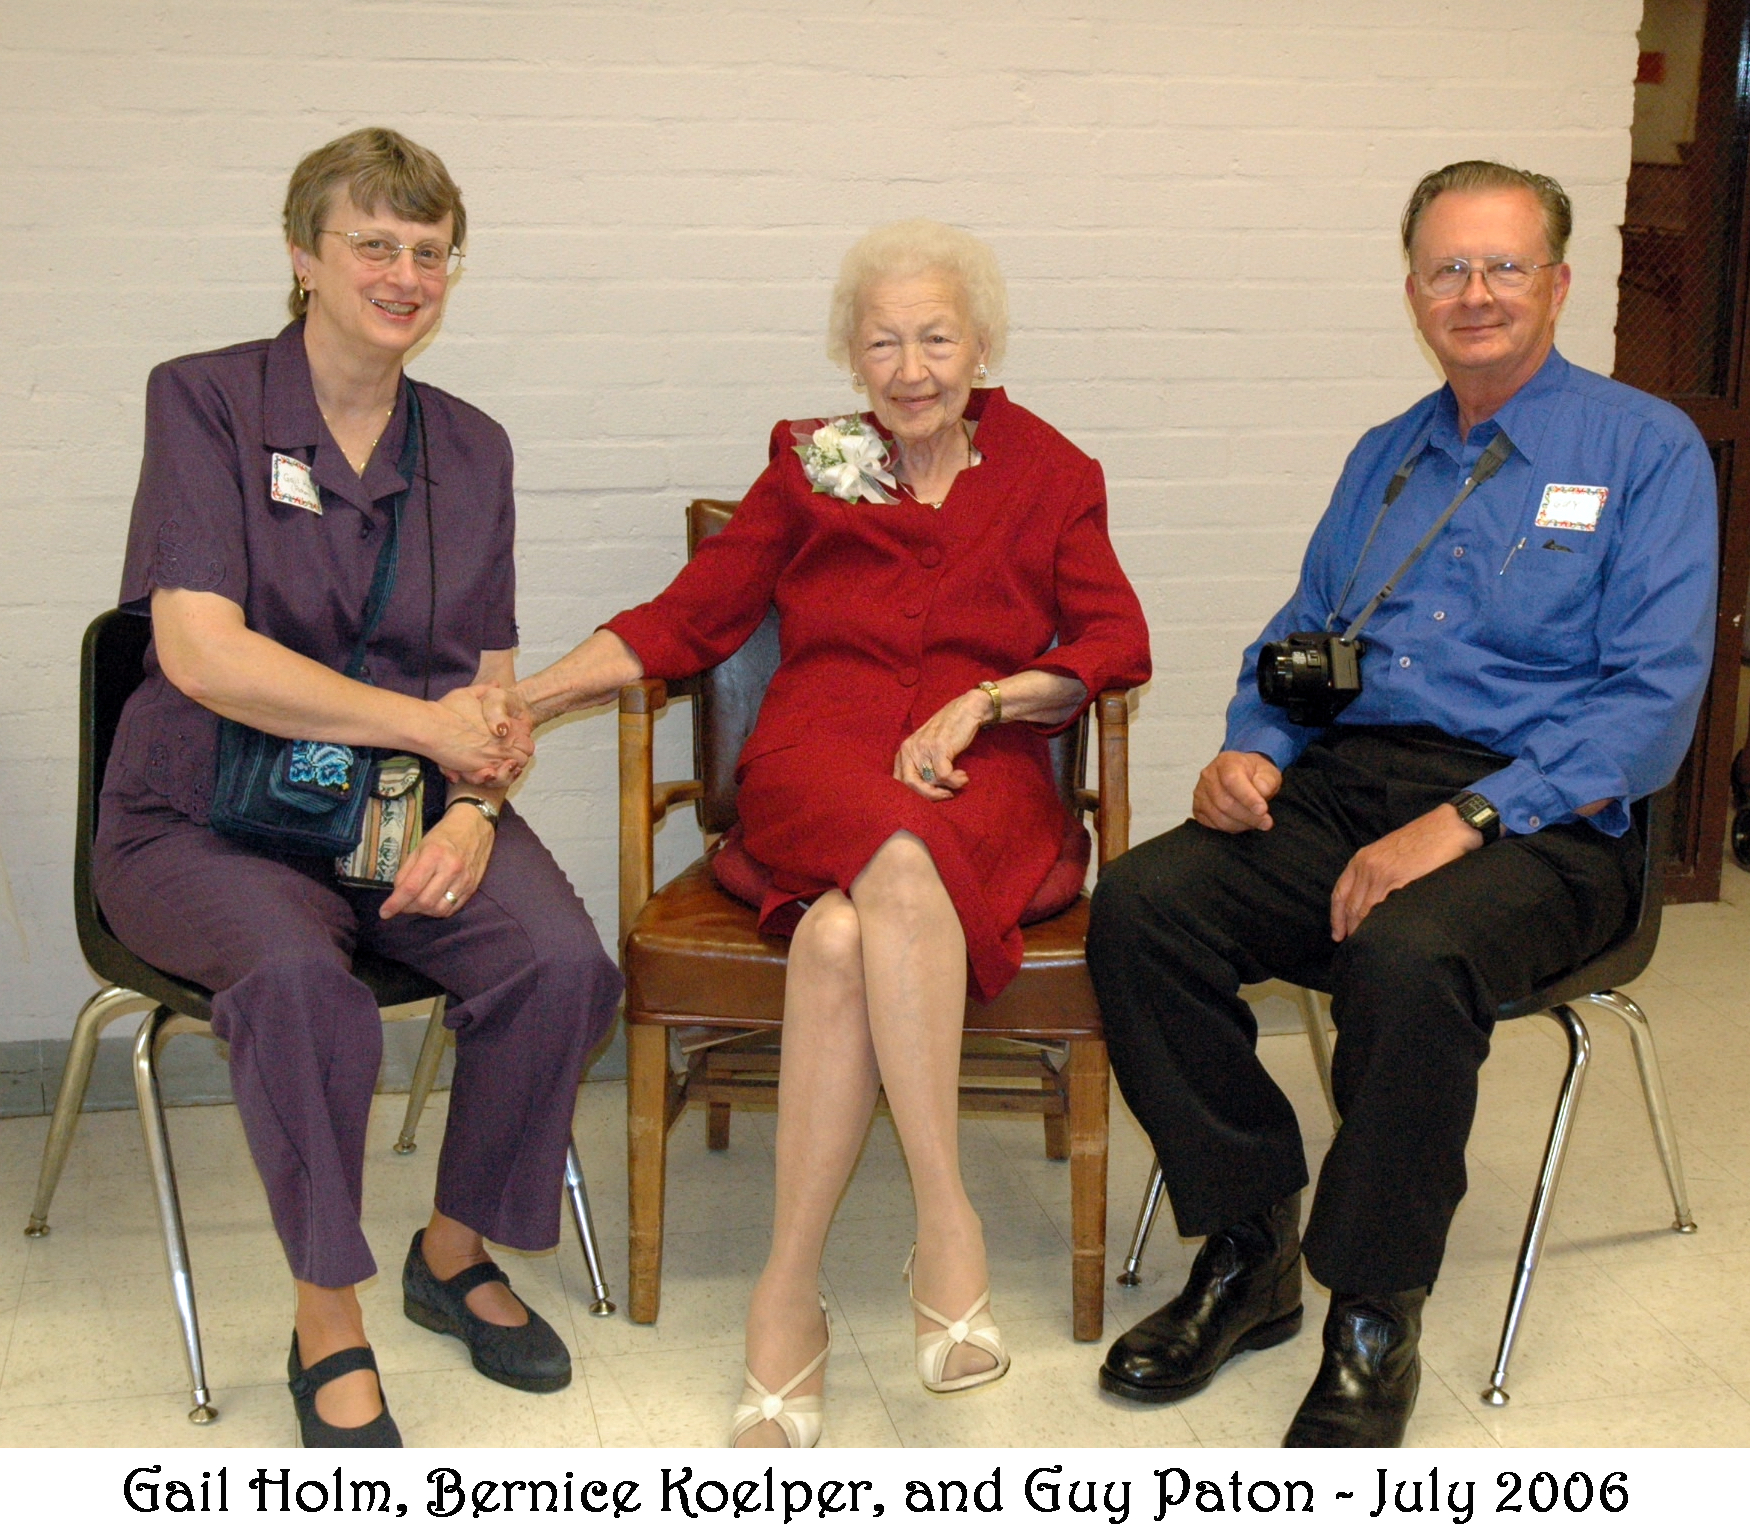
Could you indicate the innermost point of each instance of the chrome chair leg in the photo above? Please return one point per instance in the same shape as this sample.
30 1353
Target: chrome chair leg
580 1215
155 1031
1640 1033
1128 1277
1321 1051
1548 1179
431 1055
97 1013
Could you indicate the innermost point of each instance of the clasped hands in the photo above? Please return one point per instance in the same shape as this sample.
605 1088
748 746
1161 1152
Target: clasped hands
487 738
490 735
1233 794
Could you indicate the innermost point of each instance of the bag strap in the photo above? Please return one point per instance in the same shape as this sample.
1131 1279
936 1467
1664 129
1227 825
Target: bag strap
383 578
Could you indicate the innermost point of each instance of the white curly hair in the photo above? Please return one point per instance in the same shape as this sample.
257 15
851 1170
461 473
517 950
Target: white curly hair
906 249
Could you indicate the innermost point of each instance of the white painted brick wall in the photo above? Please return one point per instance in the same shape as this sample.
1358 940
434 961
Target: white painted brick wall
1194 205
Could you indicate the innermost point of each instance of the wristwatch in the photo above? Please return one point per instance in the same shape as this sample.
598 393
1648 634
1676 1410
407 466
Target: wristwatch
1478 813
990 690
487 812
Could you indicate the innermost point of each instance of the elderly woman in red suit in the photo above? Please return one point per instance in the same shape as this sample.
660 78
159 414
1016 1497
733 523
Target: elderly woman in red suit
947 597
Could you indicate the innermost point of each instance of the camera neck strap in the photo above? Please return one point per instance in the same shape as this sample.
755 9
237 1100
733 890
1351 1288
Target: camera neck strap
1491 458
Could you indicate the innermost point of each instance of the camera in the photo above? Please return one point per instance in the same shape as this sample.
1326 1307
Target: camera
1315 676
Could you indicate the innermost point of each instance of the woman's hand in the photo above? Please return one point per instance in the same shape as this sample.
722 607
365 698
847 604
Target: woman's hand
485 735
447 867
934 747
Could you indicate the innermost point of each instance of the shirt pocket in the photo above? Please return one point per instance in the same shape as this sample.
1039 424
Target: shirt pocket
1543 606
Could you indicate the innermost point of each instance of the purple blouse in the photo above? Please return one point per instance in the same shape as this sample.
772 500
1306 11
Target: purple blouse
206 519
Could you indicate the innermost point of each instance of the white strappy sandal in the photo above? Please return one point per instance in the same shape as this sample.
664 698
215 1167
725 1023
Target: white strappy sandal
936 1347
799 1419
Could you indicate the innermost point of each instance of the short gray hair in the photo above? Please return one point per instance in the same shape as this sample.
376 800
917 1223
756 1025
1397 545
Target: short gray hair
1491 176
908 249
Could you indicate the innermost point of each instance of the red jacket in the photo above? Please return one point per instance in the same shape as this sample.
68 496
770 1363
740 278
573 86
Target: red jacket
889 611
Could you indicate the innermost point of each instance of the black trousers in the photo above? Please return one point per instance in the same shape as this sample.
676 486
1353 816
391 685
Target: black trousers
1181 922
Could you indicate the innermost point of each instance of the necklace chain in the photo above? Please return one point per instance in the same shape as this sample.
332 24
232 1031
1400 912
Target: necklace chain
936 505
359 467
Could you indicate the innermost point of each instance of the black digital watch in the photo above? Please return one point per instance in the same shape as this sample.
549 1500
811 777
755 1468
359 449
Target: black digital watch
1478 813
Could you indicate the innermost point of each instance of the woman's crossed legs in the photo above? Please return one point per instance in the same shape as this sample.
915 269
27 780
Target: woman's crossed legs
875 996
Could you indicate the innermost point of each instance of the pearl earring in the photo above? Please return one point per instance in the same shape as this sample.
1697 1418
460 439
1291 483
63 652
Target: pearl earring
857 382
983 372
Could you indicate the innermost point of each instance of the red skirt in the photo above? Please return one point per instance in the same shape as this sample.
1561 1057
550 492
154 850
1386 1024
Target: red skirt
1007 850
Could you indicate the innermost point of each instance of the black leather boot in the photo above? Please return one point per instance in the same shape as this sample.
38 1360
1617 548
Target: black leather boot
1366 1386
1243 1294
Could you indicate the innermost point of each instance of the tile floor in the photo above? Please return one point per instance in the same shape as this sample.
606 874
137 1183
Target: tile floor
1635 1335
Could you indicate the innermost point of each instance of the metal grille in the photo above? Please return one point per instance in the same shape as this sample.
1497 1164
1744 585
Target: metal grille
1674 320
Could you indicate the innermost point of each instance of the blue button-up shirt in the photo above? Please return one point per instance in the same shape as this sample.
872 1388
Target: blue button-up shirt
1581 652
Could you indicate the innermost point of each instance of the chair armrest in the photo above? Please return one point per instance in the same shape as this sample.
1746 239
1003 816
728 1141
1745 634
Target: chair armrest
643 802
1112 818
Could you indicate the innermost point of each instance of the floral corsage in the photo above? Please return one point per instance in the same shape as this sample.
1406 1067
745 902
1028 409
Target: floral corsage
847 458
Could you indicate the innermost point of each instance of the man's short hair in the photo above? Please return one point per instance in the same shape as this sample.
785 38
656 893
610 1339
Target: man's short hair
1491 176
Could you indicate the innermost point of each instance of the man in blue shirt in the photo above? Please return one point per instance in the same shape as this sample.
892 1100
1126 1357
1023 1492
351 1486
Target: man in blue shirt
1458 835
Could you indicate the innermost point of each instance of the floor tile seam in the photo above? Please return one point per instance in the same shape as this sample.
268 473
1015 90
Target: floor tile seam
644 1418
1469 1399
1532 1396
1057 1207
1652 1318
219 1385
582 1380
1653 1243
10 1323
585 1326
1691 1257
687 1344
1629 1406
846 1326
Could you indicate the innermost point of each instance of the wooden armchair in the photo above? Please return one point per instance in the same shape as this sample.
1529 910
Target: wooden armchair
705 990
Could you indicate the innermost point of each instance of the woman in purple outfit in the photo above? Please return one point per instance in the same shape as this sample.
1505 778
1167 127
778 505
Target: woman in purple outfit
271 479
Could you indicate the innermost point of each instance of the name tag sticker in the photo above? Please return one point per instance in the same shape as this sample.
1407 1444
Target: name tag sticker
293 486
1572 507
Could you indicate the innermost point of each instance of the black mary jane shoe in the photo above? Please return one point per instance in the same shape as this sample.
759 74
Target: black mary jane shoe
1366 1386
313 1431
530 1356
1243 1294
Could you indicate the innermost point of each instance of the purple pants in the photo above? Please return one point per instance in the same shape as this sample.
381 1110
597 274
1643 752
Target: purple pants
272 939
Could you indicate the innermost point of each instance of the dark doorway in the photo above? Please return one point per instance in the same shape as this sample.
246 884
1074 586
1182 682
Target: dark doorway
1680 334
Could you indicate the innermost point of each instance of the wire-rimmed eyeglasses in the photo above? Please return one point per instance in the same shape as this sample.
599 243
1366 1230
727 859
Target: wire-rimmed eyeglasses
1500 274
375 248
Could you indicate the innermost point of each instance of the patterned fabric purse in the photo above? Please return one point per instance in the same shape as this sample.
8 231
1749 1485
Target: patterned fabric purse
309 798
394 825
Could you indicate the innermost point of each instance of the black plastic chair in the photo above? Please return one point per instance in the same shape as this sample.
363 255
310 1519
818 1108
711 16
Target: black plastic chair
110 668
1598 983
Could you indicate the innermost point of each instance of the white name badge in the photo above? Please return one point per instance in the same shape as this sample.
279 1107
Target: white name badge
292 484
1572 507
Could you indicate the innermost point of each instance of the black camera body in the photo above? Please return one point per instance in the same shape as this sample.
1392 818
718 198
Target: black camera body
1314 676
